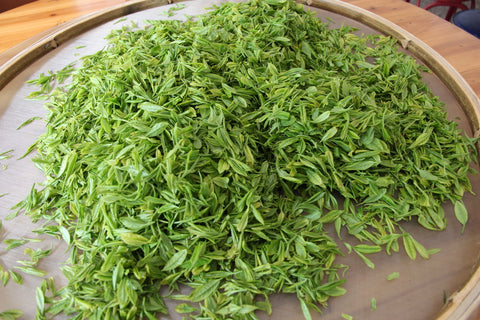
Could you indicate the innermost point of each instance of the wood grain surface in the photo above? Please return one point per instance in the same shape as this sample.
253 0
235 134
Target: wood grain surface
8 5
26 21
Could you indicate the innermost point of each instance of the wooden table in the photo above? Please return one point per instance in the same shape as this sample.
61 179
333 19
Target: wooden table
31 19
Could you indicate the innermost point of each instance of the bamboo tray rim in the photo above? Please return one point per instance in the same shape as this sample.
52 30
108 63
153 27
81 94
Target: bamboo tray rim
461 304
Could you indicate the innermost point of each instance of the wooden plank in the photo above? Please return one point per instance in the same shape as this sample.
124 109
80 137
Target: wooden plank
8 4
23 22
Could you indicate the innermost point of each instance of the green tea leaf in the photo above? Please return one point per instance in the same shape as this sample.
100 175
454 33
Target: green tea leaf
393 276
363 165
150 107
28 121
461 213
40 297
306 48
13 243
176 260
409 246
185 308
204 291
367 249
427 175
306 312
16 277
322 117
133 239
11 314
238 166
4 277
32 271
422 139
275 2
329 134
315 178
347 316
367 261
5 154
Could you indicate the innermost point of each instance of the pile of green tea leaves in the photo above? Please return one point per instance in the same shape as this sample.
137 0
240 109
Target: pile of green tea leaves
214 153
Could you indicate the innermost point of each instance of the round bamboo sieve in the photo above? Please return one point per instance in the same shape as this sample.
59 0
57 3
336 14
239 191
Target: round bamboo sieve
461 304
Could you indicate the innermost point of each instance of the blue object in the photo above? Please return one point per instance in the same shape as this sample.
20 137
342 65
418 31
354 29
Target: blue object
468 20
